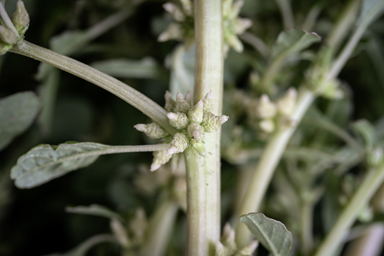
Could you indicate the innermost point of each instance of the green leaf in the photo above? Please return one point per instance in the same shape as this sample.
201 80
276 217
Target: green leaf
69 42
293 41
272 234
17 113
366 130
44 163
125 68
96 210
371 9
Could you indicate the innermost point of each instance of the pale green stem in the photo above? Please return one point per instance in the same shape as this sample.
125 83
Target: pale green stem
286 13
6 19
266 166
311 18
306 227
342 26
121 90
367 188
160 227
256 42
203 173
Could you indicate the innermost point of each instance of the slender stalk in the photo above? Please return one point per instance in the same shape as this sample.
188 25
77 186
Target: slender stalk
121 90
266 166
370 184
286 13
160 226
203 173
306 227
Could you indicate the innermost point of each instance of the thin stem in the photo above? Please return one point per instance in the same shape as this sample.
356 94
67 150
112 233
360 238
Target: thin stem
160 226
306 227
370 184
256 42
286 13
203 173
7 20
266 166
121 90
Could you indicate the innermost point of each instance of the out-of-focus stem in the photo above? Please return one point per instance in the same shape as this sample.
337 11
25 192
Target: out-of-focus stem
367 188
267 164
160 227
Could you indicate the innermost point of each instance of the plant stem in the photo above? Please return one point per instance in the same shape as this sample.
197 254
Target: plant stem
370 184
203 173
160 226
286 13
121 90
266 166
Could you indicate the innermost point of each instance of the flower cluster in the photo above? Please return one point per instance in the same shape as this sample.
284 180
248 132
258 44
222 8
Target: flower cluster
11 30
191 123
268 115
182 28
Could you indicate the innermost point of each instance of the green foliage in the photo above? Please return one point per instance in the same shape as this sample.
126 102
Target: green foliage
272 234
17 112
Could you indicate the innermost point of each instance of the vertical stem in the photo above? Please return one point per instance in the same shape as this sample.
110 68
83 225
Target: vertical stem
266 167
203 173
160 226
370 184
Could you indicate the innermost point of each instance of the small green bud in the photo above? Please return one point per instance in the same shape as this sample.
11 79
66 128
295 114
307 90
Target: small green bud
212 123
188 98
267 125
207 102
265 108
152 130
160 158
181 104
169 102
228 239
196 132
178 120
179 144
287 103
199 147
173 31
7 35
248 249
119 232
220 250
196 113
20 18
175 11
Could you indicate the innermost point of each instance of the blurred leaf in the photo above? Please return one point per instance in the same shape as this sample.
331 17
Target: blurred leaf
366 130
293 41
44 163
371 9
182 70
125 68
69 42
17 113
96 210
272 234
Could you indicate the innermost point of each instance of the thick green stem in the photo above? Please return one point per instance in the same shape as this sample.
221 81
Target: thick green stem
266 167
160 226
203 173
370 184
121 90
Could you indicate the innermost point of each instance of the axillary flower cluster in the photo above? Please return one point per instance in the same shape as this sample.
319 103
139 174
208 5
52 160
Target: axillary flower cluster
191 122
11 30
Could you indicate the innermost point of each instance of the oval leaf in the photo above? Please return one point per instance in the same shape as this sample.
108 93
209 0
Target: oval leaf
17 113
272 234
44 163
293 41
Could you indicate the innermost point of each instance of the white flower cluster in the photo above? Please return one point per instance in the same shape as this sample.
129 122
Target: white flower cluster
269 115
182 28
191 122
12 29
